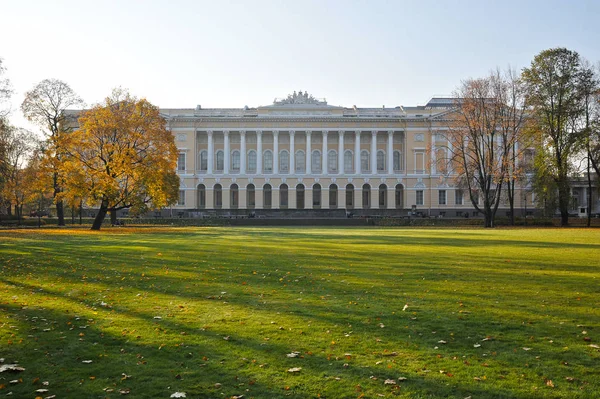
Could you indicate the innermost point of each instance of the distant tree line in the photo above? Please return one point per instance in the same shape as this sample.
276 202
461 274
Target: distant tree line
509 131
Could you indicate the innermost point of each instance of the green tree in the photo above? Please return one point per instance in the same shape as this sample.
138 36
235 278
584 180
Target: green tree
554 93
122 156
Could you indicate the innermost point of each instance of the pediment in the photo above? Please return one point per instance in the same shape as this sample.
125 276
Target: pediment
300 104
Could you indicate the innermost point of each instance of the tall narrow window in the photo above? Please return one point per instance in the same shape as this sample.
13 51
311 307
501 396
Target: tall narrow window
300 196
380 161
201 196
220 160
284 161
366 196
458 197
203 160
316 197
268 162
348 162
252 161
316 161
399 197
283 196
181 162
235 161
300 161
218 196
333 191
181 199
442 197
332 161
419 197
398 161
349 196
382 196
234 195
364 161
267 196
250 196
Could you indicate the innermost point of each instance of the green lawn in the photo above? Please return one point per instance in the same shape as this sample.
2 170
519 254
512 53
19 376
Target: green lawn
225 312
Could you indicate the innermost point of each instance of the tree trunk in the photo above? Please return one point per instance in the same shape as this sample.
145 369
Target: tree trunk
60 212
101 215
113 217
563 202
80 212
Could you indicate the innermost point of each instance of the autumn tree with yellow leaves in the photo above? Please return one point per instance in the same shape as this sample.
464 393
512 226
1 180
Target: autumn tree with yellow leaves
121 156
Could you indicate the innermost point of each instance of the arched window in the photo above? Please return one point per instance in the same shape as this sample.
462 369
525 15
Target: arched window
284 161
300 196
366 196
399 196
333 191
234 195
250 196
201 204
315 164
349 196
218 196
348 164
300 161
398 163
316 197
332 161
380 161
268 161
382 196
235 161
267 196
252 161
203 160
364 161
220 160
283 196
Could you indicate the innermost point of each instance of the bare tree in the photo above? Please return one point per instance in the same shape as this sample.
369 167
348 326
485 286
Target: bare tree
477 151
5 92
44 105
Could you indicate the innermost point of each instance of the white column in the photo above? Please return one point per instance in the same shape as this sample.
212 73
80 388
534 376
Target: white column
357 152
259 153
308 152
390 153
433 155
325 157
341 151
374 152
242 152
292 155
275 152
227 152
211 153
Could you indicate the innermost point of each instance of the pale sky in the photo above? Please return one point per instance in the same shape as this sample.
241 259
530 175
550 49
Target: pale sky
179 54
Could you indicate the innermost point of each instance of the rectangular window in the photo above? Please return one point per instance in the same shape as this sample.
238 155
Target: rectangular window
419 197
181 200
442 197
181 162
458 197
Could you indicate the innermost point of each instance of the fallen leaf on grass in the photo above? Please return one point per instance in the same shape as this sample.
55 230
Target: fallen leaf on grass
294 370
178 395
86 361
526 349
550 383
476 346
124 391
11 367
390 382
441 341
594 346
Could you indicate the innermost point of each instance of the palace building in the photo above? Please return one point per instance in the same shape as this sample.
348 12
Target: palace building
301 156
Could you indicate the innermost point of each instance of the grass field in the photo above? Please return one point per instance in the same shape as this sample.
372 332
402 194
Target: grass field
301 313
